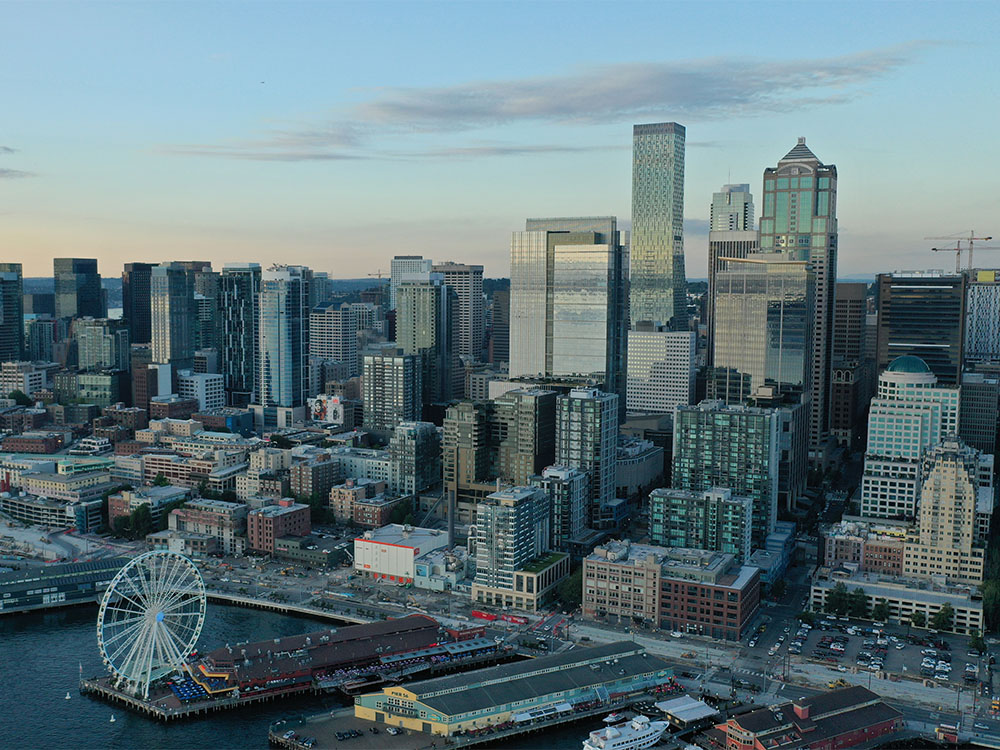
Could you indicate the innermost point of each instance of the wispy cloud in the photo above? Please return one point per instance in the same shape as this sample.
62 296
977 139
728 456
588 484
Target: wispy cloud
690 91
11 174
6 150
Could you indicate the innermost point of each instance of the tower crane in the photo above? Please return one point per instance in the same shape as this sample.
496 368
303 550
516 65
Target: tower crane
378 274
971 239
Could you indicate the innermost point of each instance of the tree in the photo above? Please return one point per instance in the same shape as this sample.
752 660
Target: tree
570 589
160 480
20 398
809 618
837 599
977 643
121 526
943 618
918 620
401 512
880 612
991 602
857 603
141 521
778 589
280 441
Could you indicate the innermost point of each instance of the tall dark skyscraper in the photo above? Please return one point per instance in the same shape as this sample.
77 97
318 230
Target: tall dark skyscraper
239 290
500 335
173 315
659 283
78 288
799 219
136 309
11 313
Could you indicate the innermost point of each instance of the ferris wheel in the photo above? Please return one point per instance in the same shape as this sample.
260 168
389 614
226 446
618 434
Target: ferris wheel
150 618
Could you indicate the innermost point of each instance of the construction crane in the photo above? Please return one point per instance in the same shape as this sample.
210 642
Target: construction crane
378 274
971 239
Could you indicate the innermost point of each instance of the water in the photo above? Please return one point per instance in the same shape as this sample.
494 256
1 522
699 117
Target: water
40 658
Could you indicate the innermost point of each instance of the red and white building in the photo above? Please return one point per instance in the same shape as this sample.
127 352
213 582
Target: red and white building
390 552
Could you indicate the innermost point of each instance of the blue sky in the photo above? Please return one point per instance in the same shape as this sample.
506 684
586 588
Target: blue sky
336 134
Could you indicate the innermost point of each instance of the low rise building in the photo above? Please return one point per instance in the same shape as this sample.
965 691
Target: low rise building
389 553
34 442
83 515
308 550
875 547
343 496
442 569
265 525
82 486
188 543
640 465
223 521
123 504
172 406
374 512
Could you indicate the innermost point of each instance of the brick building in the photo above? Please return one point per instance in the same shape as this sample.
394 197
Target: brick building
34 442
343 496
314 477
266 524
172 407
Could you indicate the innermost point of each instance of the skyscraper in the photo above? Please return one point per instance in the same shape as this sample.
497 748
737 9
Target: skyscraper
239 313
851 376
101 344
659 284
568 493
78 288
136 305
284 336
661 369
763 327
587 439
525 432
406 268
391 391
172 313
425 325
11 313
568 298
333 334
982 316
799 219
731 235
467 282
500 333
922 314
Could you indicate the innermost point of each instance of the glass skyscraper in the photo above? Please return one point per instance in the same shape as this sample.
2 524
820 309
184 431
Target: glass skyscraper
135 301
284 336
731 235
77 288
659 284
11 313
239 290
799 219
172 313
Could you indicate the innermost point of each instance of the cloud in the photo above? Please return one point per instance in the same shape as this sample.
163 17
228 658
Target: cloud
687 91
6 150
11 174
696 226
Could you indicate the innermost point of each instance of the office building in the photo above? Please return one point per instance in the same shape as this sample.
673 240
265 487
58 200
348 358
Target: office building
851 378
406 268
568 297
415 452
568 491
101 344
658 280
207 389
389 553
945 544
982 316
283 331
687 590
239 318
850 311
922 314
392 391
41 337
799 219
136 301
469 450
39 303
500 331
467 282
77 288
587 439
910 413
333 335
735 447
525 430
425 325
661 369
172 315
514 567
715 520
731 234
225 522
764 314
979 411
267 524
11 312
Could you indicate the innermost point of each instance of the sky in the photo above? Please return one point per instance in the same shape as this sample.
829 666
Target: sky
336 135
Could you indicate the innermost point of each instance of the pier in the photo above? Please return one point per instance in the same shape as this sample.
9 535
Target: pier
305 610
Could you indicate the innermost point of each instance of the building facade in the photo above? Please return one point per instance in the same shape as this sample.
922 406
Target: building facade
714 520
587 439
661 369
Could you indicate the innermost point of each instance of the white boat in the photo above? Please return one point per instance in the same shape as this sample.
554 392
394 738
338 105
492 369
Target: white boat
637 734
67 696
112 718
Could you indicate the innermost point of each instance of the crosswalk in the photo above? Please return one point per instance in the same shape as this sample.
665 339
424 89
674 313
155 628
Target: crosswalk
751 672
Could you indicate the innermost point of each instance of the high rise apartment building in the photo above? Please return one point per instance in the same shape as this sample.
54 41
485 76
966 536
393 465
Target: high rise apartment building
568 298
11 313
568 491
415 454
391 391
406 268
467 283
172 312
658 280
77 288
587 439
731 234
101 344
734 447
333 334
525 433
425 325
911 412
714 519
239 320
922 314
799 219
283 335
136 303
661 369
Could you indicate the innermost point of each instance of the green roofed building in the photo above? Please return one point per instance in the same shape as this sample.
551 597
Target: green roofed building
486 697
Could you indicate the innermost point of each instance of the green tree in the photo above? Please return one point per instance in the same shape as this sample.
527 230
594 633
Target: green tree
778 589
160 480
918 620
991 602
809 618
121 526
20 398
880 612
401 512
977 643
280 441
141 522
570 589
167 510
943 618
837 599
857 603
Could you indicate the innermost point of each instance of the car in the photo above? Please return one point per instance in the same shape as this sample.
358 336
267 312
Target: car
392 730
788 629
973 654
900 646
981 725
929 652
676 634
781 639
844 619
752 642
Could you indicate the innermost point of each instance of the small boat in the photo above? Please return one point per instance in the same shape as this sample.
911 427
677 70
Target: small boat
68 696
112 718
613 718
638 734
